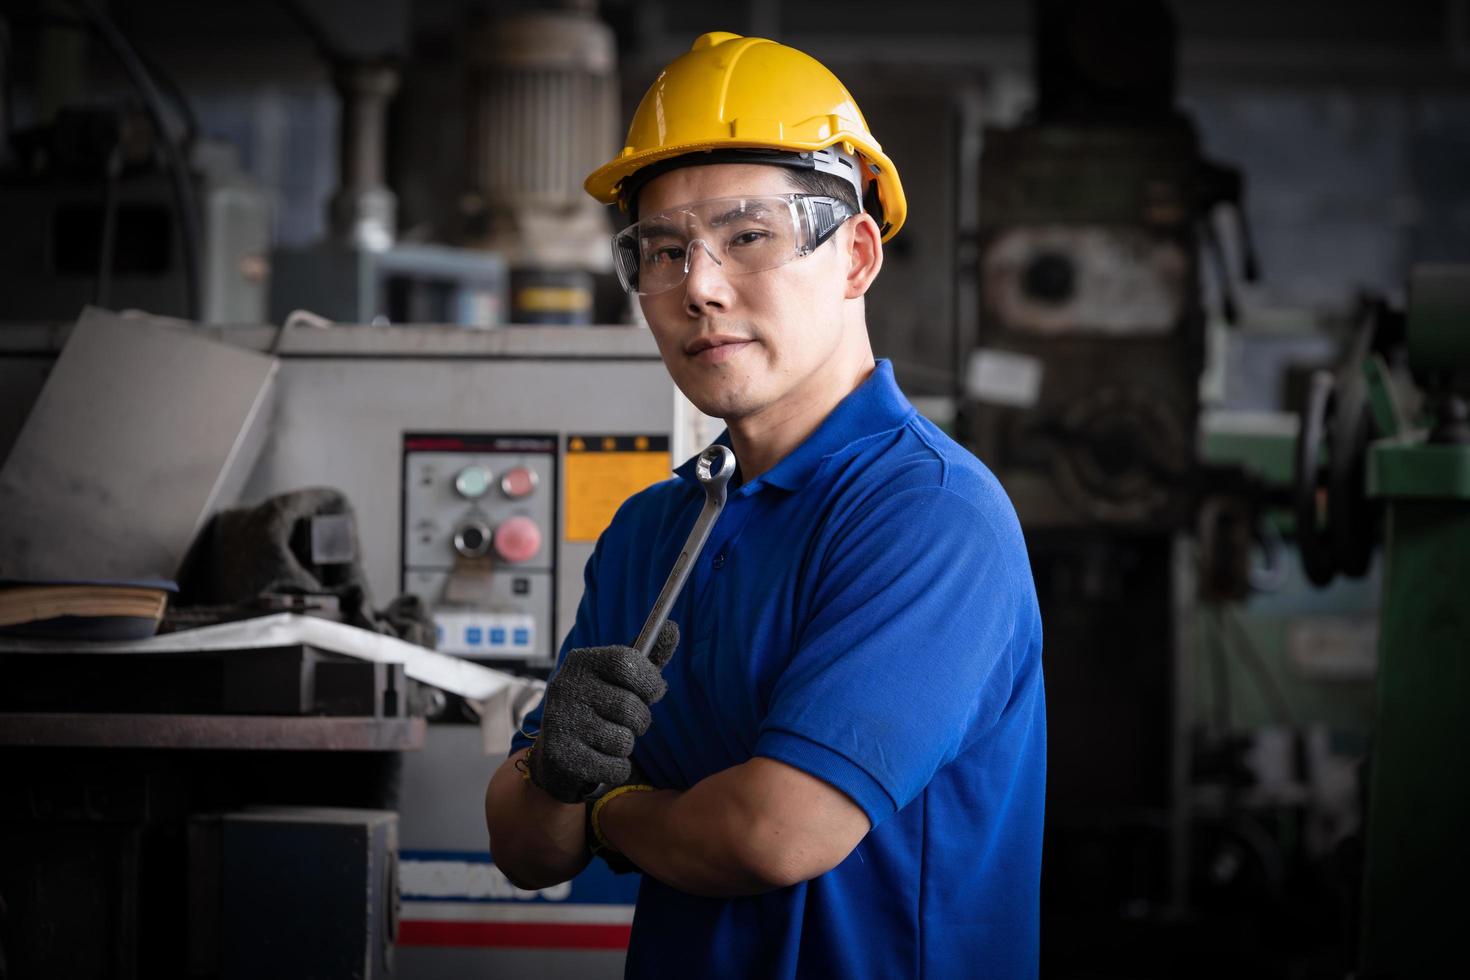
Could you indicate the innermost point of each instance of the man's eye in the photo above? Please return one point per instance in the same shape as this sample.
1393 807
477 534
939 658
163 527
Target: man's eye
665 254
751 237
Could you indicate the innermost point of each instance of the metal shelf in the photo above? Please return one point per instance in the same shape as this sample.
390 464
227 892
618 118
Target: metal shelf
166 731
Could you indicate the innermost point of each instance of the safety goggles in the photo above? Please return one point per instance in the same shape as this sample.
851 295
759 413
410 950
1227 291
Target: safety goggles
739 234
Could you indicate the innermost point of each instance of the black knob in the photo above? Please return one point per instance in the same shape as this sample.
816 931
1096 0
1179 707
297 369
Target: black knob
472 539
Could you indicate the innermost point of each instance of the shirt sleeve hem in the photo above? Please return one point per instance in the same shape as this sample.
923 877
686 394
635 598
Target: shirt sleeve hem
830 767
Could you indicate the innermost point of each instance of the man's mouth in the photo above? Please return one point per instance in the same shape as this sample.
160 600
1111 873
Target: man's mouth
715 347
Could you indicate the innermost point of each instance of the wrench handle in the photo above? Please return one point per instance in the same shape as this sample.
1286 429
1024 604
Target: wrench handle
674 584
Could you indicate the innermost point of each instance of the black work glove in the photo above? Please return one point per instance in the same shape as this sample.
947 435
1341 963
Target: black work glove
595 707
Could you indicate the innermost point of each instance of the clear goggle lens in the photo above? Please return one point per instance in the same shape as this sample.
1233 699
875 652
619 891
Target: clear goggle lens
740 234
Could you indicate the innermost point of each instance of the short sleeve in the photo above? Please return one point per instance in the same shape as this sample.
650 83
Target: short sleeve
907 652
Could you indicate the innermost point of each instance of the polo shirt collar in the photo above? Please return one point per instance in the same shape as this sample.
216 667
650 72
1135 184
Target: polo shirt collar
876 406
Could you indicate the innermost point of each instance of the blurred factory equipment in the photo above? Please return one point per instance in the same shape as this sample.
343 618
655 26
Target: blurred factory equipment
543 114
364 212
112 750
1081 392
1337 522
292 882
506 454
361 273
402 284
486 501
131 411
297 552
104 204
1386 441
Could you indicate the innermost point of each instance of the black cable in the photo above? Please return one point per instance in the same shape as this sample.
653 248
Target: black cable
1216 250
1219 662
166 82
1250 266
183 191
329 51
176 97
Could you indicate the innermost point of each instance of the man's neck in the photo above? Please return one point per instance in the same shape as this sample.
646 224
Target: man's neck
762 440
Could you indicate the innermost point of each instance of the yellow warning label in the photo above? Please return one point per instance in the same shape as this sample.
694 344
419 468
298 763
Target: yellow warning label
554 299
603 471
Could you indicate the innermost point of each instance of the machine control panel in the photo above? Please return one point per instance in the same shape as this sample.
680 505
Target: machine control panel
479 526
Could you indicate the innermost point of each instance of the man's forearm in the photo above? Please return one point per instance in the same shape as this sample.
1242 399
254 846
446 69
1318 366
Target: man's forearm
742 831
535 840
678 839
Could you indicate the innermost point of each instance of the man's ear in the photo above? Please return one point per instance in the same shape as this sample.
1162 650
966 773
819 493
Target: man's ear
864 255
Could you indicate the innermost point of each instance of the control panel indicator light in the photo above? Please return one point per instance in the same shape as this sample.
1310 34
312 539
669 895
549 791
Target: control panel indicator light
518 482
473 482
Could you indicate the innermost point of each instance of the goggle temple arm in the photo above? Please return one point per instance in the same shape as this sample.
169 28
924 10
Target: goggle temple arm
624 263
822 216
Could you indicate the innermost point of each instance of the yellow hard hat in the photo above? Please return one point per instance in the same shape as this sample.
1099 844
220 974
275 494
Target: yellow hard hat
730 92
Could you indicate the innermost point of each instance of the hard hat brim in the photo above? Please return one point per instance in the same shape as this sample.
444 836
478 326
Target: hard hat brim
605 183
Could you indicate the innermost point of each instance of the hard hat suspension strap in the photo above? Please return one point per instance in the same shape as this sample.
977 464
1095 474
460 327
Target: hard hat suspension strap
831 160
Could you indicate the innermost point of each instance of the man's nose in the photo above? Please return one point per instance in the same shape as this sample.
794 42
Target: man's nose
691 252
704 282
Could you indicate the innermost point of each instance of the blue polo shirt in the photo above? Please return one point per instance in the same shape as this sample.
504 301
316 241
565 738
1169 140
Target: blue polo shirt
864 611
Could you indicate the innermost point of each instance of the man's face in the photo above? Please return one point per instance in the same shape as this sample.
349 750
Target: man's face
740 344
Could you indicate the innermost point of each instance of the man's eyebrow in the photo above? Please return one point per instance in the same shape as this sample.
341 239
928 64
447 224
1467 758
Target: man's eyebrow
655 228
735 214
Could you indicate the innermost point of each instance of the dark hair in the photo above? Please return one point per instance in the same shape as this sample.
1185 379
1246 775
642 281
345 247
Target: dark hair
824 185
805 181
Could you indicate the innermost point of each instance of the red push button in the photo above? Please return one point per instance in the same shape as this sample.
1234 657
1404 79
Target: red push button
519 482
517 539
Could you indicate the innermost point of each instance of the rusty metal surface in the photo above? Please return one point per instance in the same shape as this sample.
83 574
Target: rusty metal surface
257 732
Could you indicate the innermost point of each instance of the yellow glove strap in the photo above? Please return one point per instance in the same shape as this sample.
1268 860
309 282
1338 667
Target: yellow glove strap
601 843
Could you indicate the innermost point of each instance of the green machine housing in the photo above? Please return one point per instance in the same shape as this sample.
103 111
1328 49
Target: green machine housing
1415 898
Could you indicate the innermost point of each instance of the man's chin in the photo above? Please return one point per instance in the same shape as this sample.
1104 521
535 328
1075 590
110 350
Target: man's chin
724 408
717 401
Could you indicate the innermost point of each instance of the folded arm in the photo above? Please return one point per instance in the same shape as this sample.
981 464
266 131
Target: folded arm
753 828
535 840
595 706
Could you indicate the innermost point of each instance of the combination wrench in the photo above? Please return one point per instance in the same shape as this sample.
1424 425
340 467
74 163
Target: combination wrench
715 467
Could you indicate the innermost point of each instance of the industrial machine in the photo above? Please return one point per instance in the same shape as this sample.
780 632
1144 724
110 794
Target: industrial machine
120 203
532 249
481 466
1384 454
404 283
362 273
543 114
1081 393
94 220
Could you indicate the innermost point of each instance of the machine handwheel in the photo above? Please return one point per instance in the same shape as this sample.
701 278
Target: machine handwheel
1311 531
